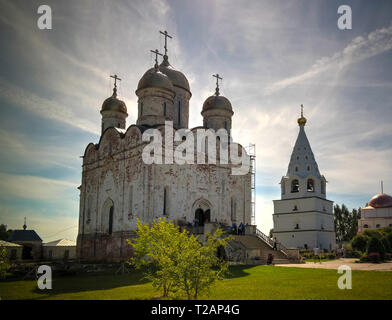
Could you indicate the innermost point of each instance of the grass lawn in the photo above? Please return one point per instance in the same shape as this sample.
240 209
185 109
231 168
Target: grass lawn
245 282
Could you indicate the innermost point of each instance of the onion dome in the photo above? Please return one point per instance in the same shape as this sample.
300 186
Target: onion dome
177 78
153 78
381 200
302 120
114 104
217 102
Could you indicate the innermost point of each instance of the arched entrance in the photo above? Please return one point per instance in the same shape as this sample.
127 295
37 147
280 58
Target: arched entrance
108 216
202 212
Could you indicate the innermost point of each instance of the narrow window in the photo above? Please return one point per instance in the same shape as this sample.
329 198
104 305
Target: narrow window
295 186
296 226
131 200
165 201
377 226
141 109
365 226
296 169
310 186
233 209
308 168
225 125
164 109
111 220
295 208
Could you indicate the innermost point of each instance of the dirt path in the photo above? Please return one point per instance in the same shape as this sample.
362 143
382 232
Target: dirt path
335 264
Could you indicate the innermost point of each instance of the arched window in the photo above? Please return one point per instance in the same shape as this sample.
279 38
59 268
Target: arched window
164 109
296 169
377 225
295 186
323 187
310 185
141 109
225 124
296 226
295 208
365 226
111 220
308 167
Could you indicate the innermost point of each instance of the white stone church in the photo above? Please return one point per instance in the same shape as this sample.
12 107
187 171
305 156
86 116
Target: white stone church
118 187
303 217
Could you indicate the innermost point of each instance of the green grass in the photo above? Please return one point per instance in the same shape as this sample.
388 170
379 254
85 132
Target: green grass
245 282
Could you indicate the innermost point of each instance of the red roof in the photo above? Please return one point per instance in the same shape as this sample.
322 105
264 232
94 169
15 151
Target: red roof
381 200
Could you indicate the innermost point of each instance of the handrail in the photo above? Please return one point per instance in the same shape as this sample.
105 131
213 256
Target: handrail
280 247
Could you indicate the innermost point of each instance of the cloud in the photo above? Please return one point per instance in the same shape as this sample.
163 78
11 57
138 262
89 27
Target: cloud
35 188
359 49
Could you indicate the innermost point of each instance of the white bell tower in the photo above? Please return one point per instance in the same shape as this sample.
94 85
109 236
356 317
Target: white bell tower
304 217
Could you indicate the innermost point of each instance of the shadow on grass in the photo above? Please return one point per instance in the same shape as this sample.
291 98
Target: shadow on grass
91 282
239 271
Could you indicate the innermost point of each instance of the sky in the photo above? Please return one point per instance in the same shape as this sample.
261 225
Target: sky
273 56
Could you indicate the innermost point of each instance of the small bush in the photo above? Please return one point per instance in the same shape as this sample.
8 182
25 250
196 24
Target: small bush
386 244
373 257
376 245
359 242
371 233
389 238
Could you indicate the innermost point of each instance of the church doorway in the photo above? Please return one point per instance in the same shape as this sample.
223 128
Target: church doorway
201 209
202 216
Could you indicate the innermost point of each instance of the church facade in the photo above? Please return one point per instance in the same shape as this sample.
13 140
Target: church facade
118 187
303 217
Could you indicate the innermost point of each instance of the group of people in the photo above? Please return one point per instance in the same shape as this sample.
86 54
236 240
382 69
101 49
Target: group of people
238 231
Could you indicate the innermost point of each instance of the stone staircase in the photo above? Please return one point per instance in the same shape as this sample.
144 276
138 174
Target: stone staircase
254 249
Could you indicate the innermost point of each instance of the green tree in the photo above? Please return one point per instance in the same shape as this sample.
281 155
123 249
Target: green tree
4 264
174 260
346 222
376 245
359 242
4 234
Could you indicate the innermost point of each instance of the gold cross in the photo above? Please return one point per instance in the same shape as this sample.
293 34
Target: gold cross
156 56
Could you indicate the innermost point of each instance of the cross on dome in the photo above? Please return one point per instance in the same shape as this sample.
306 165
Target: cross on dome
217 83
115 77
156 57
166 35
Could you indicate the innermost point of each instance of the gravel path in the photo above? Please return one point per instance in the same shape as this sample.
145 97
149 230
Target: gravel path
335 264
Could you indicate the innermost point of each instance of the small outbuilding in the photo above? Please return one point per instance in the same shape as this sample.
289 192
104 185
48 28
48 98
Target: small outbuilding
61 249
31 242
14 251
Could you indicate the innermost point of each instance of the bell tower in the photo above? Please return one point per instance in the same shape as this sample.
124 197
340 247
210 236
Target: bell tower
303 217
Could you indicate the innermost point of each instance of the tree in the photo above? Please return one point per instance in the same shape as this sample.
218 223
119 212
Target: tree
359 242
4 264
376 245
174 260
346 222
4 234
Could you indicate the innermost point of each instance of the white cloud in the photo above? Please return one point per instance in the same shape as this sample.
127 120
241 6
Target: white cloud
359 49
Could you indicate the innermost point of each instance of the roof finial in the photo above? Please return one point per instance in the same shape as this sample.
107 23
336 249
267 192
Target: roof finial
115 77
156 57
382 186
166 35
302 120
217 83
24 225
